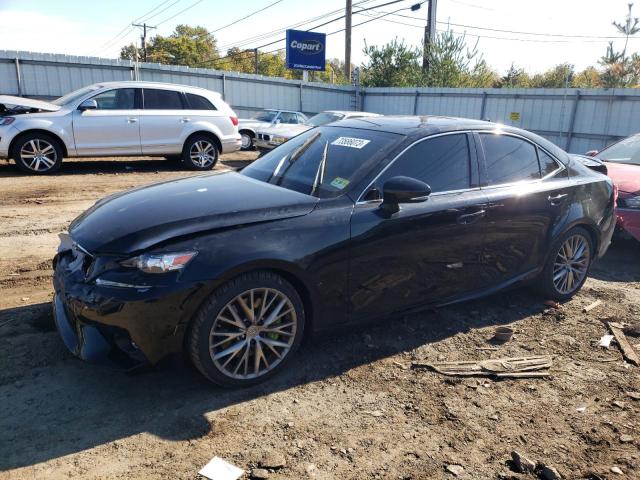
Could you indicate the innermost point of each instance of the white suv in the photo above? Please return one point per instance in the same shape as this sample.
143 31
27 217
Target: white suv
118 119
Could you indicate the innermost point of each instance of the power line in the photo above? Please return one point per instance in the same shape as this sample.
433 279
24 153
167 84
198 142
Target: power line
278 31
251 52
139 19
163 10
245 17
179 13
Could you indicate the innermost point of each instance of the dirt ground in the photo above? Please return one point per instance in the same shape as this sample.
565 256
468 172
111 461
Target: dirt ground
348 408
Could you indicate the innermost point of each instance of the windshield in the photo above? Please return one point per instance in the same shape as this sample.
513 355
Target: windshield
73 96
323 161
625 151
266 116
324 118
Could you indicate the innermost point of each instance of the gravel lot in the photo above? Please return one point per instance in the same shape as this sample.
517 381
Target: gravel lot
349 408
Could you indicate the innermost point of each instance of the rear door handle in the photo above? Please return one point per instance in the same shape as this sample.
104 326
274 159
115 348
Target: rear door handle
558 199
185 120
132 120
469 218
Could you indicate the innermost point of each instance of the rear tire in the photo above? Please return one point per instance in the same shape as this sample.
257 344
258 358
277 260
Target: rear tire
567 265
235 342
37 153
200 152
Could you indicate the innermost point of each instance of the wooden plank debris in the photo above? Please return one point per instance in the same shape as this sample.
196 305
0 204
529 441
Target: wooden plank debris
627 350
515 367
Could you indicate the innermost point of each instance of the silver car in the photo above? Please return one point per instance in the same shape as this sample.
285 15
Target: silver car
265 119
270 138
118 119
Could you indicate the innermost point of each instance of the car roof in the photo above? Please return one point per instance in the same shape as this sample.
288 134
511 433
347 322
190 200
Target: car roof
349 113
416 127
161 85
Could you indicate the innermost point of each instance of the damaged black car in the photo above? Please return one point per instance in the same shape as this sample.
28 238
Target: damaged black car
351 222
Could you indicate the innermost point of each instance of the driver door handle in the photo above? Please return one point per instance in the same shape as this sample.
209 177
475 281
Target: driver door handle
558 199
471 217
132 120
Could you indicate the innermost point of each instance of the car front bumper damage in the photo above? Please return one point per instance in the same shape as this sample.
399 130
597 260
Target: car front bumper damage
121 327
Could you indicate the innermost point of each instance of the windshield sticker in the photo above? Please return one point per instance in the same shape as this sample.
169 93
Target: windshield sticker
339 182
350 142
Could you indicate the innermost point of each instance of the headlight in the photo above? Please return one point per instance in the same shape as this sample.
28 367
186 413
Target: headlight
629 202
161 262
278 140
7 120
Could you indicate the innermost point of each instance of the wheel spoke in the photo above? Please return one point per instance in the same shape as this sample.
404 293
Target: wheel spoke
274 313
229 350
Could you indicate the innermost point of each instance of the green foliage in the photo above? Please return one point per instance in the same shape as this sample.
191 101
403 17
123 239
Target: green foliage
191 46
621 70
392 65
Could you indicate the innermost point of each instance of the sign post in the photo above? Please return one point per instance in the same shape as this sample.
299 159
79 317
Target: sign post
306 50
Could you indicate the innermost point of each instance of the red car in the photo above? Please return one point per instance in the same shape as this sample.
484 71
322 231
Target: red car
623 165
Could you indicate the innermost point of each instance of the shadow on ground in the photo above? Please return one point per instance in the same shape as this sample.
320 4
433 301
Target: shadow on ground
55 405
110 165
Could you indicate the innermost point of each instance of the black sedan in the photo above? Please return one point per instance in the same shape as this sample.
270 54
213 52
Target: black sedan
346 223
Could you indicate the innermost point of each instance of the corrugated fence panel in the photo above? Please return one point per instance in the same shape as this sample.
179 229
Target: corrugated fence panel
597 119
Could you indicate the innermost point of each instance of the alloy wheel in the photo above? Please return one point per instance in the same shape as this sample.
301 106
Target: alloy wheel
202 153
253 333
38 155
571 264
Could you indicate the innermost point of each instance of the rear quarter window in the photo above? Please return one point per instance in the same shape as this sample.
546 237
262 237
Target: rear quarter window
198 102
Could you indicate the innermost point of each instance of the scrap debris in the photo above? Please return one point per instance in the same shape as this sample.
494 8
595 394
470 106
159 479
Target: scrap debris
218 469
590 307
605 341
627 350
513 367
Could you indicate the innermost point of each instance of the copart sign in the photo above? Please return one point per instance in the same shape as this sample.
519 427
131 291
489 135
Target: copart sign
306 50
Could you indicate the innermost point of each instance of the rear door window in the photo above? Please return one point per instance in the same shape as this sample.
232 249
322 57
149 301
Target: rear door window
443 163
198 102
509 159
157 99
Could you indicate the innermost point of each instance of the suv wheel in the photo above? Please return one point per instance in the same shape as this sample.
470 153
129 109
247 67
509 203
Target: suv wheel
247 330
200 152
37 153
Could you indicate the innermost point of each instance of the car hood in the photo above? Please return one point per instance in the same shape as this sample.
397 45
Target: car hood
10 102
138 219
286 131
625 176
250 123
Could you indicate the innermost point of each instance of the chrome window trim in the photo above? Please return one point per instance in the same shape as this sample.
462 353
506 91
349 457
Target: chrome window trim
457 132
561 166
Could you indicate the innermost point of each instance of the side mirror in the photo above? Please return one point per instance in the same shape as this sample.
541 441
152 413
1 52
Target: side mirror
591 153
88 104
399 190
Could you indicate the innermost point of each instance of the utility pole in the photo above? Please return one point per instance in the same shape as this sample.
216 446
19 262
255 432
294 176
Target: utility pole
256 58
347 41
429 32
144 27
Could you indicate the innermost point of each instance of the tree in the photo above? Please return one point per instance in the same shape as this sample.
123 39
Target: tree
590 77
515 78
191 46
392 65
620 69
449 62
559 76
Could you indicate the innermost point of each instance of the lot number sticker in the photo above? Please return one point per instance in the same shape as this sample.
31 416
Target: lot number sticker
350 142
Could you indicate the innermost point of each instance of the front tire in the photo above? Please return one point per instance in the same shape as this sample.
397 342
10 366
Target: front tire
248 330
200 152
37 153
568 265
246 138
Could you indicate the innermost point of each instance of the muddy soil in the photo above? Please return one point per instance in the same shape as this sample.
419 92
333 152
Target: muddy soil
348 408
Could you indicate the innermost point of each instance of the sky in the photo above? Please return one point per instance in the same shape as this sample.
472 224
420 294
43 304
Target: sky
565 30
